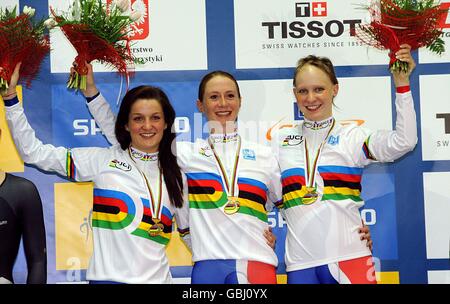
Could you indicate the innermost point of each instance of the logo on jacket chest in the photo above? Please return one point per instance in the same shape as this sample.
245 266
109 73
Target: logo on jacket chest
333 140
292 140
248 154
205 151
121 165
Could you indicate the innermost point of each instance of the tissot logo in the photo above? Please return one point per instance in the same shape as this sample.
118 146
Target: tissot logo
446 117
302 9
315 9
313 28
445 20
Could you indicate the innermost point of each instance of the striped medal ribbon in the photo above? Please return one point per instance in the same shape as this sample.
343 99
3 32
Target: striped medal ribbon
232 206
155 206
311 194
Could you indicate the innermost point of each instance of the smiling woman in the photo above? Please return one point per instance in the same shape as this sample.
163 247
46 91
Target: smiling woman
219 99
322 174
315 86
137 185
142 121
146 125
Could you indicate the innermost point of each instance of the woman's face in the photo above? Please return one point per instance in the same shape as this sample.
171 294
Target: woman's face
221 102
314 92
146 125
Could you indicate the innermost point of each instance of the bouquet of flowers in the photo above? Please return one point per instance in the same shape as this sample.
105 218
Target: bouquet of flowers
396 22
97 32
22 39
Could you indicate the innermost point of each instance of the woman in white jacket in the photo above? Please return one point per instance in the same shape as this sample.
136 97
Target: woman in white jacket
232 184
138 186
321 165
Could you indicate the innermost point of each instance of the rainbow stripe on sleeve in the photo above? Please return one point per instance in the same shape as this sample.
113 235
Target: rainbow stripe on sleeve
366 150
183 232
70 165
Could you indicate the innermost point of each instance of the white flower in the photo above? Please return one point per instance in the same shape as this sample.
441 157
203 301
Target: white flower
27 10
50 23
135 15
76 13
122 5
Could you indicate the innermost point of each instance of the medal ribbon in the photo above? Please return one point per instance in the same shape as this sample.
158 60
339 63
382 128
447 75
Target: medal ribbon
155 207
311 172
222 170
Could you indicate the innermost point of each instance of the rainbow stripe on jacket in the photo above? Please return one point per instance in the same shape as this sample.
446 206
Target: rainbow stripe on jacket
116 210
340 183
206 191
146 222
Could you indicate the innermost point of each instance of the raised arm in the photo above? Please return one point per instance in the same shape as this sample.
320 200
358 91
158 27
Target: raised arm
82 167
384 145
99 107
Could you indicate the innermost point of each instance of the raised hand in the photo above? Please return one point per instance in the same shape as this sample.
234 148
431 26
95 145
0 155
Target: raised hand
401 78
11 91
91 89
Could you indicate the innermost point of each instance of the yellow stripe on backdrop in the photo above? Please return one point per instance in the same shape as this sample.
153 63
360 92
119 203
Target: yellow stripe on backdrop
178 253
382 278
10 160
388 277
73 229
73 226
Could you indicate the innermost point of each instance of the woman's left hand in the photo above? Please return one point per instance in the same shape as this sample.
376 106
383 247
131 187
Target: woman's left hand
365 235
270 237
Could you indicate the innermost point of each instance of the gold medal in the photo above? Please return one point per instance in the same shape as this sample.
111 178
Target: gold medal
156 228
310 196
232 205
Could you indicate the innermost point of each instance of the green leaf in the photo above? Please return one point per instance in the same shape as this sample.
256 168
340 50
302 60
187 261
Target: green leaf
437 46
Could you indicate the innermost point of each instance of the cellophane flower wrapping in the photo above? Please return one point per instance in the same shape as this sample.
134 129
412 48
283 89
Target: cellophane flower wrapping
22 39
396 22
97 32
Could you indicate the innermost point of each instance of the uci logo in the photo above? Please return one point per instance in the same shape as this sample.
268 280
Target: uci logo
120 165
292 140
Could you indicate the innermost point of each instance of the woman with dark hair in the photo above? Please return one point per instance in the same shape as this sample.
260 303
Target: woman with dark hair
133 204
321 175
